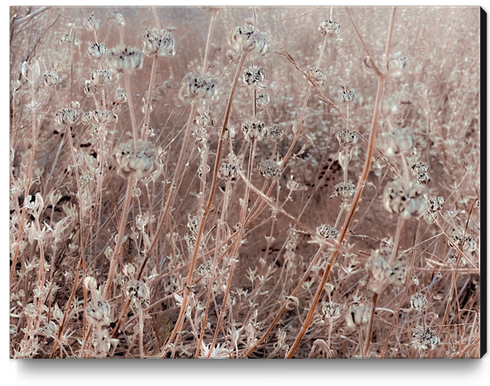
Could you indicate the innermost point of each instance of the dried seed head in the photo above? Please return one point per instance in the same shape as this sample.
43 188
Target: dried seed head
435 204
464 242
92 24
346 96
140 161
246 40
100 77
138 292
125 59
86 118
232 55
90 88
344 190
101 117
327 231
274 133
384 273
419 167
96 50
263 100
203 120
161 43
254 76
405 198
227 170
254 130
357 315
330 309
346 137
98 312
196 89
423 178
269 169
329 27
424 339
316 76
51 78
396 141
419 301
66 116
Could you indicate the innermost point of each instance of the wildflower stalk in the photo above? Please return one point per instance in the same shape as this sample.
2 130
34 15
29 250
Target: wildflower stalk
355 201
178 324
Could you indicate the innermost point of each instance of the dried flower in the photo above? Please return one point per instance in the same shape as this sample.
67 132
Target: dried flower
125 59
161 43
316 76
357 315
101 77
101 117
254 129
405 198
327 231
228 169
196 89
254 76
248 41
66 116
140 161
424 339
423 178
330 309
263 100
138 292
419 167
385 273
51 78
344 189
329 27
346 96
269 169
121 96
98 311
466 244
90 88
96 50
347 137
92 24
419 301
274 133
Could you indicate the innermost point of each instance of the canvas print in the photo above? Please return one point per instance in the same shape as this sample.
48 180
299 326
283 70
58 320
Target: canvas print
245 182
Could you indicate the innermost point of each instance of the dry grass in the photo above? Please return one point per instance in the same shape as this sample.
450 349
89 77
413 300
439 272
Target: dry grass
141 227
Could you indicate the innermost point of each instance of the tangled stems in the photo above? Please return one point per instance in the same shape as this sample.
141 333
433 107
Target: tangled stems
353 207
180 320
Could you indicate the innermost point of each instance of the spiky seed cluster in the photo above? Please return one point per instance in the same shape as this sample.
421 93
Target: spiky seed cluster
100 77
274 133
197 89
96 50
51 78
316 76
419 301
98 312
384 273
327 231
405 198
263 100
330 309
344 190
161 43
90 88
465 243
329 27
346 96
357 315
434 205
246 40
396 141
125 59
228 169
424 339
66 116
254 130
140 161
269 169
420 169
92 24
347 137
254 76
101 117
138 292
